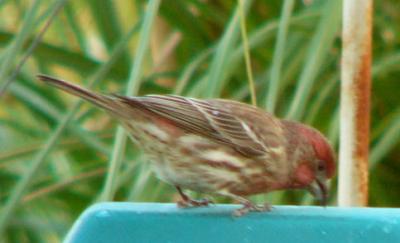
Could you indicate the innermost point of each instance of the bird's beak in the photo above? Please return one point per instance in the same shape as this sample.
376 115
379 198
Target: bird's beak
319 190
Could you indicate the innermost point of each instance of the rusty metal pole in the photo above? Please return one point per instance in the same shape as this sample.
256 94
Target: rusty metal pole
355 103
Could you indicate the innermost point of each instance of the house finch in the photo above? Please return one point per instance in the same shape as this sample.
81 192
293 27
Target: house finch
218 146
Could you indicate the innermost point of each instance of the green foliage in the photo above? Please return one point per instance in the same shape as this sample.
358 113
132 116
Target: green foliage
58 155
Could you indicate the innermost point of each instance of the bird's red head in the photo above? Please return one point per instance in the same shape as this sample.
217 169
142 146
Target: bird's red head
322 148
323 164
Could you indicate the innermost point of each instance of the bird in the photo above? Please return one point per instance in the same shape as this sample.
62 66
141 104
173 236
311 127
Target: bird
218 146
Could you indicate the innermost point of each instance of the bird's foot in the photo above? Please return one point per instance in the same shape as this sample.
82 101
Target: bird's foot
251 207
188 202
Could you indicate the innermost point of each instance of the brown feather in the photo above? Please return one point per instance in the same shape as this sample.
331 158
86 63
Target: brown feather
218 119
104 101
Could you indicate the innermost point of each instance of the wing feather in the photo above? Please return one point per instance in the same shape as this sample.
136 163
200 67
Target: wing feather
247 129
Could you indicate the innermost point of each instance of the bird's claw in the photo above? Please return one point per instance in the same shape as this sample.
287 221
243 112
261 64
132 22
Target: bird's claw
189 203
250 207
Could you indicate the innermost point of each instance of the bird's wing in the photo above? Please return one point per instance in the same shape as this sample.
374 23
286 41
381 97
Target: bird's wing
247 129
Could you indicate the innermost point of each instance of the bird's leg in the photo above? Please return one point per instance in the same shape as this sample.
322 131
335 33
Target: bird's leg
189 202
248 206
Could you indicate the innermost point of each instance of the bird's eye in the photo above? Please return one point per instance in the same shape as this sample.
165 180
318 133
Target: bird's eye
321 165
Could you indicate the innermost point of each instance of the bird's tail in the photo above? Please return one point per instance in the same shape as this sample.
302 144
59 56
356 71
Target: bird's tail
103 101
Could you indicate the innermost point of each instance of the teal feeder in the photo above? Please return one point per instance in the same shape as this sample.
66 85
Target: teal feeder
155 222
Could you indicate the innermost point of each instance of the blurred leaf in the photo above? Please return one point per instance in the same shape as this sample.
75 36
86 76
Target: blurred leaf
317 51
277 59
132 89
216 75
28 25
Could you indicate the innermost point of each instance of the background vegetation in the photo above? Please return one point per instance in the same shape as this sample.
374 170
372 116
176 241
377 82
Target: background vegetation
58 155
